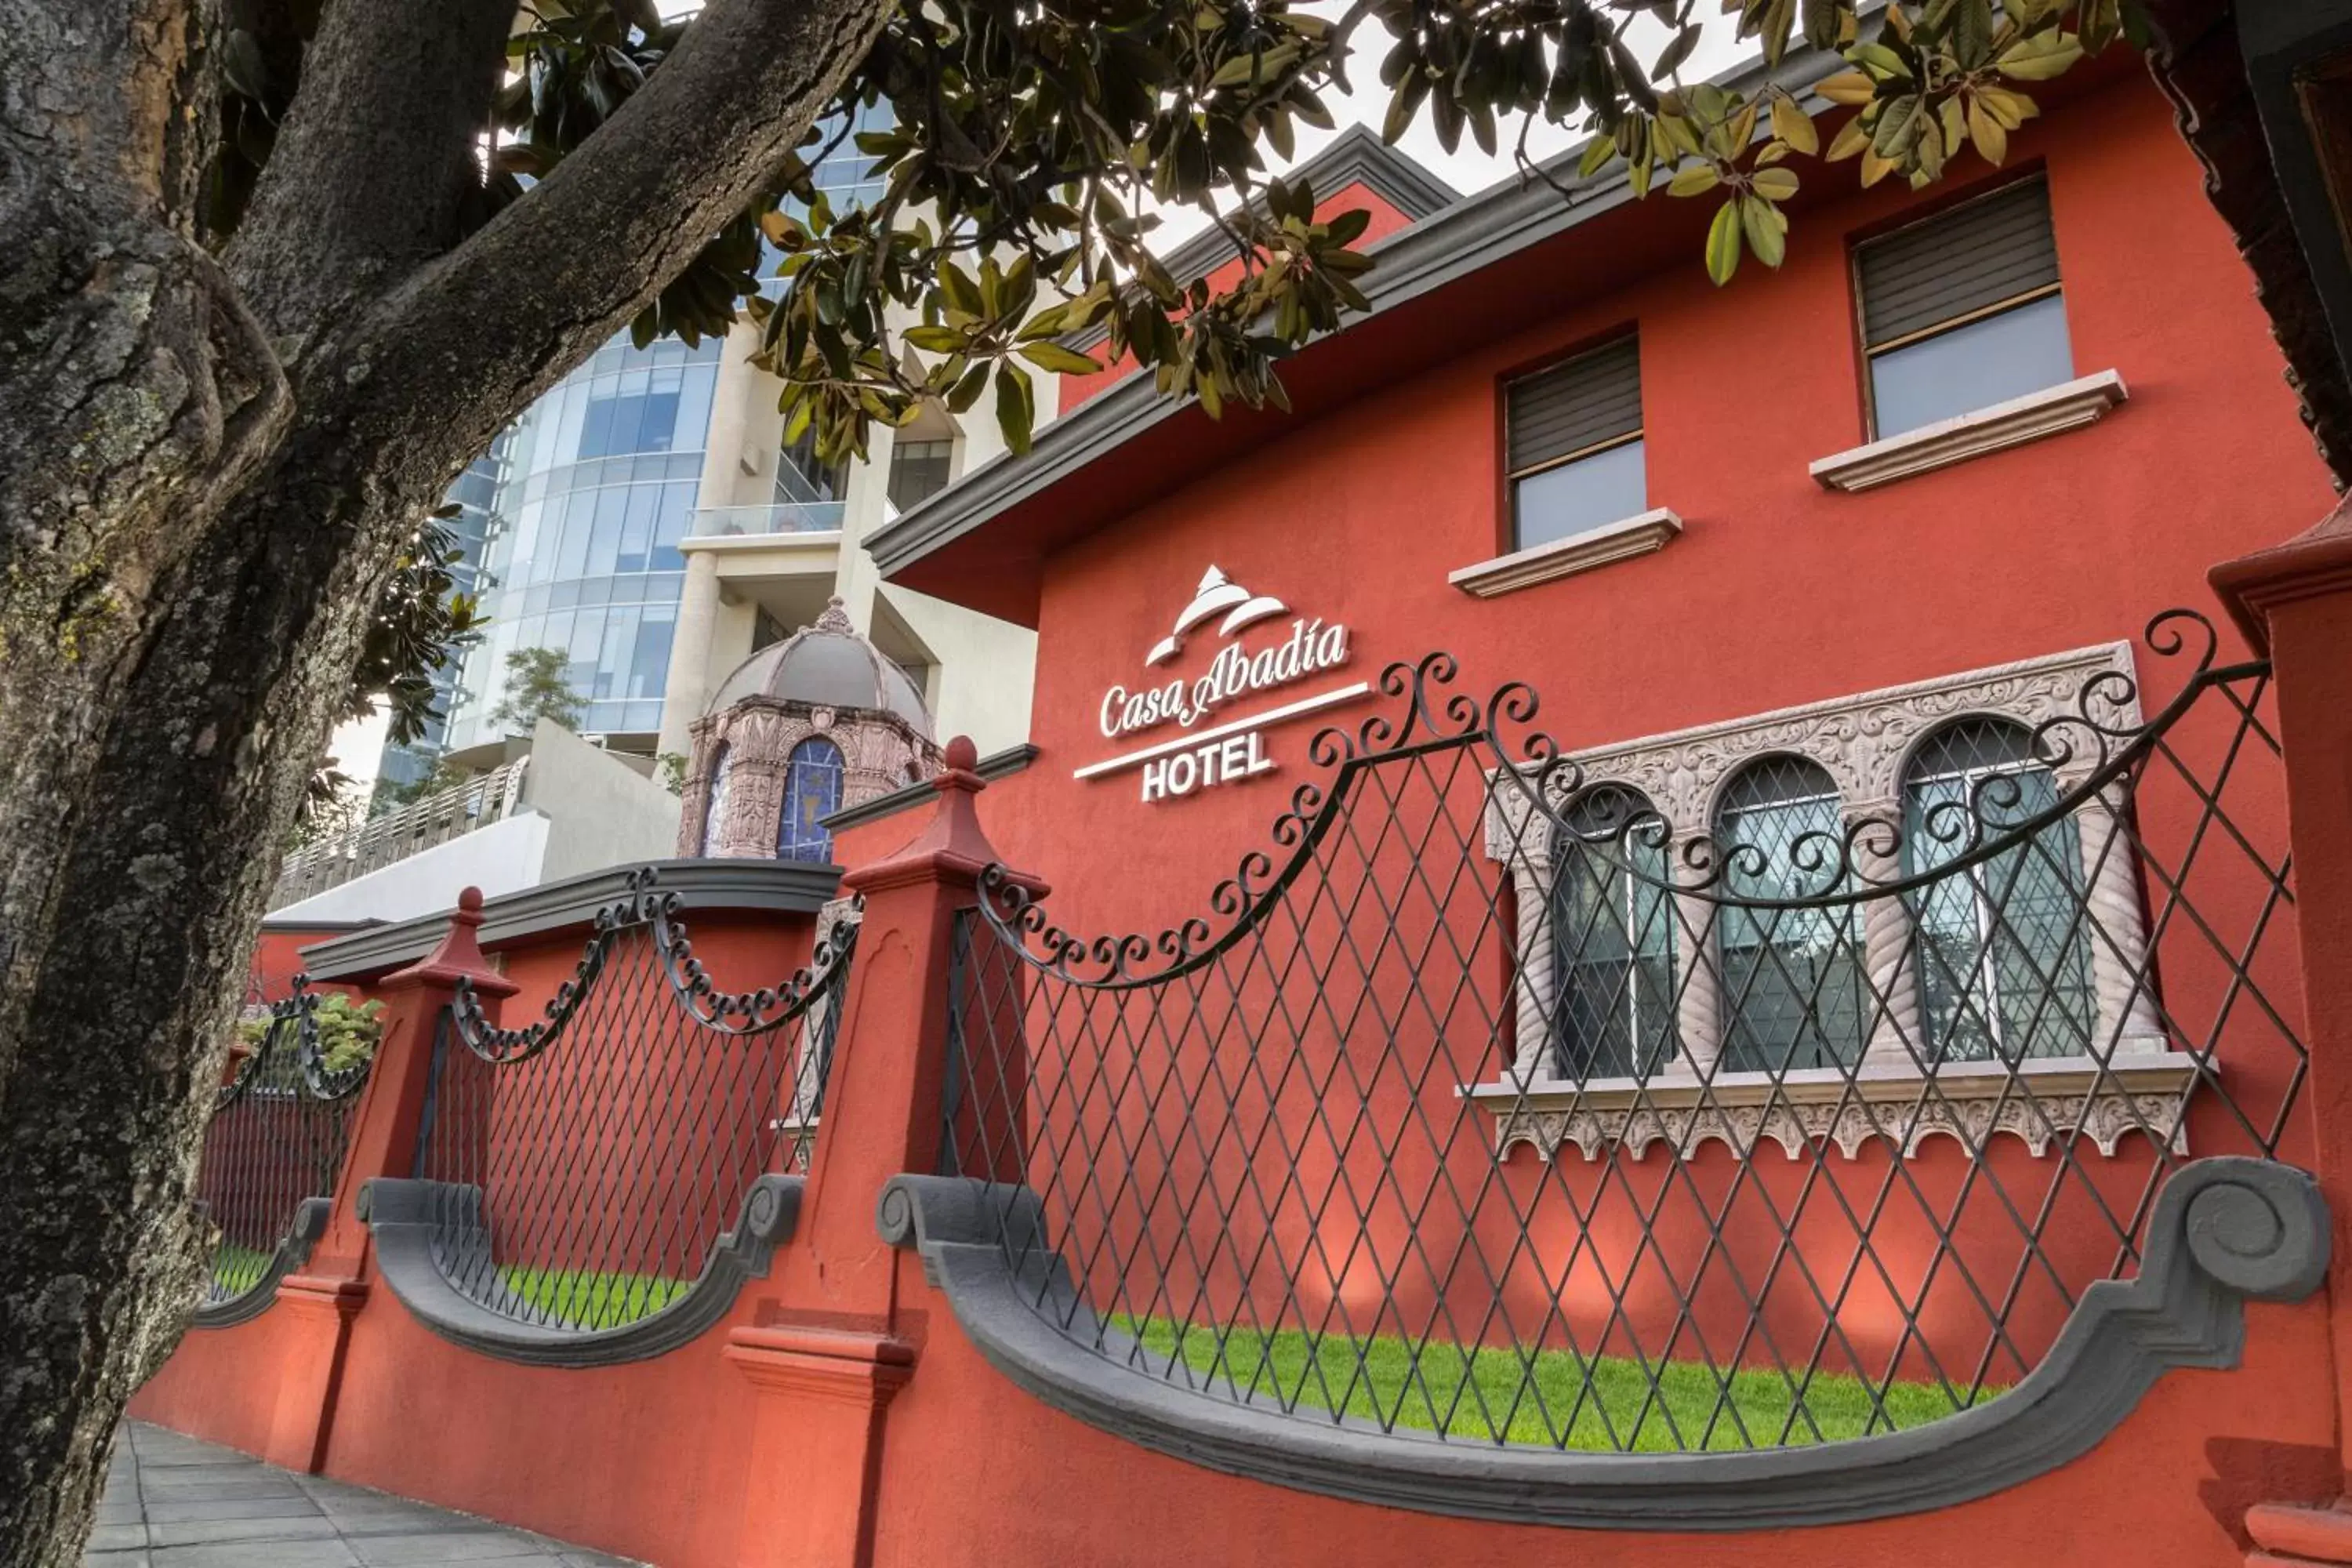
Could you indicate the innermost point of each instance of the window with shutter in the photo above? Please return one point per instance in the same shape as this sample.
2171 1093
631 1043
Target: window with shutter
1573 445
1963 311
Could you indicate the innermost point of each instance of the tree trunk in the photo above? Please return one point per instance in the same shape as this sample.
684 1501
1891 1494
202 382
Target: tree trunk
207 467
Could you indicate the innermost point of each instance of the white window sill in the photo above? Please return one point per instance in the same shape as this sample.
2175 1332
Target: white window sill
1619 541
2141 1085
2067 407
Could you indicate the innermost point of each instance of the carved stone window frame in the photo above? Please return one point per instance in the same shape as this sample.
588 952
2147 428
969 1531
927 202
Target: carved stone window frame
1865 741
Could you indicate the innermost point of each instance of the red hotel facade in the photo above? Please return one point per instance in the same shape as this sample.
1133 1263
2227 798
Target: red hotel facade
1440 1188
1779 590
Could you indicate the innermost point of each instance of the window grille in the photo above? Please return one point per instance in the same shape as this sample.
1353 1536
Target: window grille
1615 943
2003 948
1791 975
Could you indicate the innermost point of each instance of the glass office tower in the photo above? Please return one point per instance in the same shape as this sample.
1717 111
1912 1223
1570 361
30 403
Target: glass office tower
596 487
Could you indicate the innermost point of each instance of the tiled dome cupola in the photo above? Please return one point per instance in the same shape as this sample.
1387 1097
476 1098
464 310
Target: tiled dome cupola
802 728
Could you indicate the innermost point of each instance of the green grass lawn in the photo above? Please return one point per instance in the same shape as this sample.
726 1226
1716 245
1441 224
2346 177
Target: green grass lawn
236 1270
588 1299
1606 1403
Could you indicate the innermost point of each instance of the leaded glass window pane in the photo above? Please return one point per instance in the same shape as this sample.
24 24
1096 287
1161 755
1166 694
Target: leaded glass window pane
1612 939
1792 977
2003 946
812 794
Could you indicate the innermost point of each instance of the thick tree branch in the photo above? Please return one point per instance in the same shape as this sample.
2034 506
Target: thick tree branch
558 271
373 174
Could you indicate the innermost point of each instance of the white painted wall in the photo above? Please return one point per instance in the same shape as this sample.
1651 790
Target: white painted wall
504 858
601 811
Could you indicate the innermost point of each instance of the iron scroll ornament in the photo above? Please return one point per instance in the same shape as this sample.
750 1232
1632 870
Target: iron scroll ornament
1831 870
645 905
296 1016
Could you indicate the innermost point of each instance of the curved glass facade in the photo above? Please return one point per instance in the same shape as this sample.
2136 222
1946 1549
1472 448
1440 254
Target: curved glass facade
599 488
597 484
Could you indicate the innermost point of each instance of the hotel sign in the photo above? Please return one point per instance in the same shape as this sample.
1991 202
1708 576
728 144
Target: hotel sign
1197 758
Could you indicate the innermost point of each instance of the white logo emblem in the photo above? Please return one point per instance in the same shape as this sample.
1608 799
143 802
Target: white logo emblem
1233 750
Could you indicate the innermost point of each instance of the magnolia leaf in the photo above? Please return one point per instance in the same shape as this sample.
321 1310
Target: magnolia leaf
1059 360
1696 180
1990 137
1016 412
1854 138
1723 243
1847 86
936 339
1765 229
1793 125
2041 58
1774 185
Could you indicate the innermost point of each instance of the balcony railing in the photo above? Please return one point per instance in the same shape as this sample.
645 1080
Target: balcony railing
397 835
776 517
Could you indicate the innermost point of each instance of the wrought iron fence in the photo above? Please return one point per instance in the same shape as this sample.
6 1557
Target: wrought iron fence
273 1148
581 1171
1496 1106
404 831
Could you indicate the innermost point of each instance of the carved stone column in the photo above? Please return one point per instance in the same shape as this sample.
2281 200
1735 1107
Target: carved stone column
1896 1021
2120 977
1698 994
1535 989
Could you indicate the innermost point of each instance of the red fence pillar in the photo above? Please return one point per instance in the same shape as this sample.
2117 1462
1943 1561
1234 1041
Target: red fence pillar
326 1296
2294 601
825 1369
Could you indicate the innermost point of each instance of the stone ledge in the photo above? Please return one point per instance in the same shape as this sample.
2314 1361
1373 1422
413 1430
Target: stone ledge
2222 1231
1638 535
1971 1102
2067 407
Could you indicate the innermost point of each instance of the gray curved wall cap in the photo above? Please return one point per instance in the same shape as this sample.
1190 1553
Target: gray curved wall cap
311 1217
405 1215
2223 1229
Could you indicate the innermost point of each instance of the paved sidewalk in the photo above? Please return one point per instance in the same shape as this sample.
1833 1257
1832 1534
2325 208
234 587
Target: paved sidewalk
173 1502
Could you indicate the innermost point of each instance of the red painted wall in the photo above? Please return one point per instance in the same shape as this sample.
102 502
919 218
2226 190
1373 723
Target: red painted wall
976 1475
640 1459
1779 593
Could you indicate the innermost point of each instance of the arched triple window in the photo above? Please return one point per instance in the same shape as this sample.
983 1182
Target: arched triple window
2002 947
1791 982
812 794
714 801
1613 947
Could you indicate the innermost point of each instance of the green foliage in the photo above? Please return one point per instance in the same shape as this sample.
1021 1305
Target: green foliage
443 775
538 687
1031 144
672 771
348 1034
421 623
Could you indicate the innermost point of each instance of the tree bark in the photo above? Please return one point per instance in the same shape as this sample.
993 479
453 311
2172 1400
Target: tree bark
207 467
